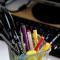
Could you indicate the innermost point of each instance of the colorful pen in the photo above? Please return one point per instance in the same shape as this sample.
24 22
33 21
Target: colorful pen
39 43
25 38
30 39
35 37
22 42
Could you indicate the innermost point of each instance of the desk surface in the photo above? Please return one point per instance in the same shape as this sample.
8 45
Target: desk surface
27 13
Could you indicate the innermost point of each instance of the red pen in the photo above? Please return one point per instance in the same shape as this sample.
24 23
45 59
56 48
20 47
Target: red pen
39 43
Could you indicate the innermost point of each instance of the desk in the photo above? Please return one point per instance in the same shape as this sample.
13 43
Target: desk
27 13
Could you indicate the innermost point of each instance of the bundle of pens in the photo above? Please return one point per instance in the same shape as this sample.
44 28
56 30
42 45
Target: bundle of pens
33 45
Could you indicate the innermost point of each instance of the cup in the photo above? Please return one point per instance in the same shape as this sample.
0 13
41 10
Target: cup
38 56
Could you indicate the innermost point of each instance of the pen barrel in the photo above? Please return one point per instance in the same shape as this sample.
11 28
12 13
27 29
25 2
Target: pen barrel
30 40
35 37
22 42
39 43
25 38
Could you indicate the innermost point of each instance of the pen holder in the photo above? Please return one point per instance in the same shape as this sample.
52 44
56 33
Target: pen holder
38 56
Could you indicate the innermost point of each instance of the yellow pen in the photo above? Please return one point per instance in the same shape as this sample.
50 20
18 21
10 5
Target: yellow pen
35 37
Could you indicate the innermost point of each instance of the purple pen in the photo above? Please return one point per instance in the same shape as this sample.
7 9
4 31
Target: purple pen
25 38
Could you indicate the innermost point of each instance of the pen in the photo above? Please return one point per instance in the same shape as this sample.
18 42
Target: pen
48 45
22 42
39 43
35 37
30 39
25 38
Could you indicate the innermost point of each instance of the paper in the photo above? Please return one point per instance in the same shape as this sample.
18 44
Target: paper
4 53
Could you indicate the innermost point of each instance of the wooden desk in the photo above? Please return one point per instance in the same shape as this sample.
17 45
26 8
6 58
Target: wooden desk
27 13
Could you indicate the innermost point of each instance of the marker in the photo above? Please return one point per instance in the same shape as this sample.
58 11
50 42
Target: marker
30 39
22 42
25 38
39 43
35 37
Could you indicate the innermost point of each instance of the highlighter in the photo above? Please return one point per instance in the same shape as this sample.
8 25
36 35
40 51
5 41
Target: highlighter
35 37
30 39
25 38
22 42
39 43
